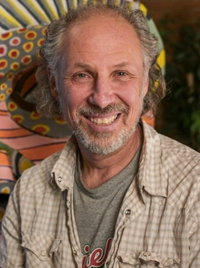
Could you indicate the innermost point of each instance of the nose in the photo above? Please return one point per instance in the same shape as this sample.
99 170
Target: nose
102 93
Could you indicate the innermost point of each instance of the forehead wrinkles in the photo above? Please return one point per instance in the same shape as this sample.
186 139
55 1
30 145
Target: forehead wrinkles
99 36
102 28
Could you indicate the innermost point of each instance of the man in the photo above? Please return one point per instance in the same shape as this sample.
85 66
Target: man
119 194
18 118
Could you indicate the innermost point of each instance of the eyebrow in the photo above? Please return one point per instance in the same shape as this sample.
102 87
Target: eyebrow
122 64
82 65
87 66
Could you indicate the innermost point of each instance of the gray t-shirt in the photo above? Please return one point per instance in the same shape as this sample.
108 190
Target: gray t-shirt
96 210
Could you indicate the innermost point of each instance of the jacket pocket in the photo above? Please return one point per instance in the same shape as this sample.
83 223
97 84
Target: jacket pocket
42 249
147 260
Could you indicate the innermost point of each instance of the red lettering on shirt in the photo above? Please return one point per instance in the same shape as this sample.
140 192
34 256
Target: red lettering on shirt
97 257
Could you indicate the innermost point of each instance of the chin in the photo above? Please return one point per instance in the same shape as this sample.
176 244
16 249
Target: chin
103 143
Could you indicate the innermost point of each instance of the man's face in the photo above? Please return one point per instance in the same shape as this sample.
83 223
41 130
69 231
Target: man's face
101 82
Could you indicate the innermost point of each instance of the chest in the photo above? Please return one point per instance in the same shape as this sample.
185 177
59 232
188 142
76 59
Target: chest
152 234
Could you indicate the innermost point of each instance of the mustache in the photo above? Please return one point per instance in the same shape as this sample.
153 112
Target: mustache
86 111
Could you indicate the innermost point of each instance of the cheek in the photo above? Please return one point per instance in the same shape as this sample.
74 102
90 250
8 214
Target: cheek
132 97
71 101
134 100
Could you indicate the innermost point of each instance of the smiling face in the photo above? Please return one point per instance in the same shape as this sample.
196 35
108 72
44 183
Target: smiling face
100 83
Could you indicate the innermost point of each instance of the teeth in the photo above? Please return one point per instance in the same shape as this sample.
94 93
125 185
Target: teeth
103 121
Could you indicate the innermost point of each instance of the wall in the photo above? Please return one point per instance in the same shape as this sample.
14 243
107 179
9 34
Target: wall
176 116
182 11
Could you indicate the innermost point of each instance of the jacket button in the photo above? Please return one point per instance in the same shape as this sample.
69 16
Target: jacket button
107 263
74 252
43 253
59 179
147 254
128 212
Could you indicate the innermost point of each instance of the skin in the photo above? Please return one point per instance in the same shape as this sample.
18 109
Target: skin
101 67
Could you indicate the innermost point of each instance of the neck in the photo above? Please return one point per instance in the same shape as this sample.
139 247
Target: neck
97 169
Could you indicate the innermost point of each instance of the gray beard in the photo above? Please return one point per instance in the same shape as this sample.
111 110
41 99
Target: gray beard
100 146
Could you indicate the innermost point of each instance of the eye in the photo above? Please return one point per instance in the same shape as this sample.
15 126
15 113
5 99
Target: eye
122 76
121 73
81 78
81 75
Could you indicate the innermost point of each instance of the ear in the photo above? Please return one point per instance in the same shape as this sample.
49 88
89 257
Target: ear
52 84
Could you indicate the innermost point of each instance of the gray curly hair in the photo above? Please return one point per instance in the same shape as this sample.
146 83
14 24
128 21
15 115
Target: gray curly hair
51 52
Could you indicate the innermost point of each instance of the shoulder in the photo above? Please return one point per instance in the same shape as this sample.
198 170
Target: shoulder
37 178
167 149
176 170
182 166
174 165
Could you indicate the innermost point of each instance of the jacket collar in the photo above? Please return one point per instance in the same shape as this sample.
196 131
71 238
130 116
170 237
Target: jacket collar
152 176
63 171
